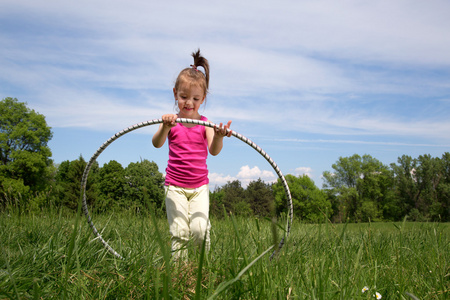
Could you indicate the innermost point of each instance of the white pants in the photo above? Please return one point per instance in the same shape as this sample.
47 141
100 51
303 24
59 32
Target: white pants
188 215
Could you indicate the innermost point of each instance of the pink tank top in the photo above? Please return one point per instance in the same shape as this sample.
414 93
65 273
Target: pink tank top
188 150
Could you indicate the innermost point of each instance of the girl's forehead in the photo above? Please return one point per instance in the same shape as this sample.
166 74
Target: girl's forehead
190 87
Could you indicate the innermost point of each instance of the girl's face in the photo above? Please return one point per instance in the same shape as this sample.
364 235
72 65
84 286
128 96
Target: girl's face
189 98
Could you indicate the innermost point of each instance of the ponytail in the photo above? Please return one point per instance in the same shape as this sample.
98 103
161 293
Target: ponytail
200 61
193 75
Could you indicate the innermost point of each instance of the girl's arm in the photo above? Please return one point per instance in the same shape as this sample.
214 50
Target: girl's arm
160 136
215 137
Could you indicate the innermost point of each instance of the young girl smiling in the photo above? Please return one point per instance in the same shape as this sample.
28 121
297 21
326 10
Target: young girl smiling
186 182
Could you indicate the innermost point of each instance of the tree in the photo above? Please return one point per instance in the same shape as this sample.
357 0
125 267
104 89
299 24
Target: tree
342 183
68 183
347 170
144 185
443 189
24 153
374 188
310 203
405 185
111 181
233 199
422 187
357 180
216 205
260 197
428 176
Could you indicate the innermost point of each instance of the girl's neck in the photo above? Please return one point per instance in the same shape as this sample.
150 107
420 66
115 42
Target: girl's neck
196 117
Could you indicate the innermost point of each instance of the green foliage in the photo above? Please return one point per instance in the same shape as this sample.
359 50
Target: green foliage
428 175
14 194
406 189
422 187
356 180
144 185
68 183
24 135
310 203
24 154
368 211
363 189
443 189
260 197
137 187
231 197
111 182
216 204
257 199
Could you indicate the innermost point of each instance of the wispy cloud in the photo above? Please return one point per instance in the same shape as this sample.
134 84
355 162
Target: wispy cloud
360 142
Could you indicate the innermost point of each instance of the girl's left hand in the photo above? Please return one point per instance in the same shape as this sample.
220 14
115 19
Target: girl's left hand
221 131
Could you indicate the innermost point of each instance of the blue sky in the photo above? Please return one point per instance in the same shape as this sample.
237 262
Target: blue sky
308 81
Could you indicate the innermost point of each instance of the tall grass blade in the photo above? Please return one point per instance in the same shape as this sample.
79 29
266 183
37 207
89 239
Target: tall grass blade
71 250
166 255
412 296
11 277
223 286
198 287
238 239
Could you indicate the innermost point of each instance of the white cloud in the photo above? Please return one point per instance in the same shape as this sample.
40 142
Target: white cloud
217 180
303 171
245 176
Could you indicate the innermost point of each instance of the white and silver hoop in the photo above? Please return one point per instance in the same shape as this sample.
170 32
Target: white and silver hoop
188 121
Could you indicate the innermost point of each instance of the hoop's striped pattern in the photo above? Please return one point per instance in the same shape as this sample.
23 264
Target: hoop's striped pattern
189 121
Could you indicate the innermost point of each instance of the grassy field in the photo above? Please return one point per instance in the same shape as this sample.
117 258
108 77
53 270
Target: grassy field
55 255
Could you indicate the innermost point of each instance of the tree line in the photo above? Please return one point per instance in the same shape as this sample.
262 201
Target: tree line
357 189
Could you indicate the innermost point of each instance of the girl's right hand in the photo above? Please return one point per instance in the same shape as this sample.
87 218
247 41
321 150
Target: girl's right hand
169 120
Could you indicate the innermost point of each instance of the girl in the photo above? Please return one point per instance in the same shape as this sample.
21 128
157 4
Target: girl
186 183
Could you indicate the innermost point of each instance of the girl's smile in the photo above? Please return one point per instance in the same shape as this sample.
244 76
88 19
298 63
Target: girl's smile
189 98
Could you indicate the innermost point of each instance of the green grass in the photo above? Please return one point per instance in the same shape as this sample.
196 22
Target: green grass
327 261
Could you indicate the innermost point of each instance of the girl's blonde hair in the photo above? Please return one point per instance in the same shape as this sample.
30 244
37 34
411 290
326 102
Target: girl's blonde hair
193 75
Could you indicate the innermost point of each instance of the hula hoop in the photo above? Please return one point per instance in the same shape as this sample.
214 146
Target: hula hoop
188 121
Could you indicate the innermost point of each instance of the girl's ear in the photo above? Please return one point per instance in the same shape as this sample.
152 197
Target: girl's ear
175 93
